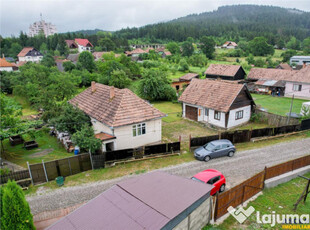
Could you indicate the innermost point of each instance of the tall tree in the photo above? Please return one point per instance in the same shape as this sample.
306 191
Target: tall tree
173 47
259 47
306 45
208 46
86 60
15 211
187 49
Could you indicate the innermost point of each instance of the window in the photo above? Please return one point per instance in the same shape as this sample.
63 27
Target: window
239 114
214 180
206 112
225 146
138 129
296 87
217 115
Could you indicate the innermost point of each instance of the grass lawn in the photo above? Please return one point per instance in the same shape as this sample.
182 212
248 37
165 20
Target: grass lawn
278 105
49 149
177 75
173 110
152 164
279 199
26 108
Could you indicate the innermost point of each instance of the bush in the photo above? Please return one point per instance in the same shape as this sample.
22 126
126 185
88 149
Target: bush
4 171
256 117
15 211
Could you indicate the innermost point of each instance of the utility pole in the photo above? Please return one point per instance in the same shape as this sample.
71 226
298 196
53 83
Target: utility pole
289 115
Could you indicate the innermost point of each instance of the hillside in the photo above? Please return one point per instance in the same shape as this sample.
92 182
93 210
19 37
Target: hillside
231 22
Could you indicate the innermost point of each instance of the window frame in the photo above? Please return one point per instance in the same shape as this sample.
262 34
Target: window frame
139 129
217 115
238 116
299 87
206 112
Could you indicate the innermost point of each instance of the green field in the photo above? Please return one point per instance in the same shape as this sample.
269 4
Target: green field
26 107
278 105
173 110
279 199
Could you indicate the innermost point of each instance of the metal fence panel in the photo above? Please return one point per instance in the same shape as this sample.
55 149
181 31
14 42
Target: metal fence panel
19 175
119 154
155 149
98 161
305 124
174 147
51 170
37 173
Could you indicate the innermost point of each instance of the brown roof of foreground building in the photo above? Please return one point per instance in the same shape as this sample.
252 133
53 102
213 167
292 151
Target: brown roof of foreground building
5 63
214 94
189 76
123 109
24 51
223 70
150 201
137 51
302 75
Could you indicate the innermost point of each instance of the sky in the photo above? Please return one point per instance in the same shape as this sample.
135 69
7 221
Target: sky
111 15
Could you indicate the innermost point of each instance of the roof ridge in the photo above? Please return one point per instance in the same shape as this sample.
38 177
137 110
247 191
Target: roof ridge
119 104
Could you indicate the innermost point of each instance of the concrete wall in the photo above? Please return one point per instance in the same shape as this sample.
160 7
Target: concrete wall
83 48
199 218
232 122
304 93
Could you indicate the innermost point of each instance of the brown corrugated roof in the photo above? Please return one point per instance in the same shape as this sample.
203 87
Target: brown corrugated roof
223 70
213 94
284 66
4 63
189 76
123 109
24 51
151 201
104 136
302 75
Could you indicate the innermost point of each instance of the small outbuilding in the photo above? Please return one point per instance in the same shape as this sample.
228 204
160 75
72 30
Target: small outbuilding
155 200
225 72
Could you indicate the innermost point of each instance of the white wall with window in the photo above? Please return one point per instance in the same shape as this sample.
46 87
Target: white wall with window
140 134
299 89
239 116
216 118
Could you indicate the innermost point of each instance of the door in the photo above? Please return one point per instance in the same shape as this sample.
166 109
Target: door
216 185
217 151
191 112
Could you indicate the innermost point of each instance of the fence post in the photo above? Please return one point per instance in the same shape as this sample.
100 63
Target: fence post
243 191
69 165
91 161
250 136
30 172
180 139
265 172
189 145
45 171
220 135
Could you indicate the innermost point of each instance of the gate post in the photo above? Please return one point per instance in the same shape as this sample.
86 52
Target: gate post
44 171
189 145
30 172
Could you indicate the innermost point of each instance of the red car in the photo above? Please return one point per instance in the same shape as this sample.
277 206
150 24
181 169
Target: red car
212 177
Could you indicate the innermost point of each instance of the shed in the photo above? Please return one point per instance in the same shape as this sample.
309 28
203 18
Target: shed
155 200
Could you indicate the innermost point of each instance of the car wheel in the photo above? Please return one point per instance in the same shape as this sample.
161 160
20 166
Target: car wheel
231 153
207 158
222 188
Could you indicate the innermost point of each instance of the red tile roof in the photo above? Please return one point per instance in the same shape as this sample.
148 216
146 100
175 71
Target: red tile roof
168 53
230 43
214 94
137 51
189 76
83 42
24 51
123 109
223 70
4 63
104 136
284 66
302 75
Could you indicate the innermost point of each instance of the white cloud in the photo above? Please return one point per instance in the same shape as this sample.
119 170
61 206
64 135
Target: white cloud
72 15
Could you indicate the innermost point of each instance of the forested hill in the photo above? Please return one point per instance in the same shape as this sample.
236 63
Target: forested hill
231 22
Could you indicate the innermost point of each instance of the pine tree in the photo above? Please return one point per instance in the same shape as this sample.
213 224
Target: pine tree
15 211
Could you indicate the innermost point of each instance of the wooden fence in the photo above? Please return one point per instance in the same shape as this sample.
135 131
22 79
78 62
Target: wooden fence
240 136
19 175
148 150
247 189
276 120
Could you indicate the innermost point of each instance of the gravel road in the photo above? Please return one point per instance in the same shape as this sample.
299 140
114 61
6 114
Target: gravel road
236 169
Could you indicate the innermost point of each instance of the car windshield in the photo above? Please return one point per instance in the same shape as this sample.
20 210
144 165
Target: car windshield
194 178
209 146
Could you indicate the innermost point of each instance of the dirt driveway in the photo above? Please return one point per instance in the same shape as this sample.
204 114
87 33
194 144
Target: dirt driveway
237 169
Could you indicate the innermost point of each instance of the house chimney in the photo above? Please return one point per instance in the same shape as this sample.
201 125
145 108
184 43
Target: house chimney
112 93
93 86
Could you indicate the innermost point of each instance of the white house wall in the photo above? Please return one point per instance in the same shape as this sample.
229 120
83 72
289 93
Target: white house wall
232 122
7 69
211 120
125 138
100 127
30 58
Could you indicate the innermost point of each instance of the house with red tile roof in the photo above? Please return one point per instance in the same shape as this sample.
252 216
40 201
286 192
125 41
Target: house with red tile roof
229 45
225 72
83 45
219 103
119 117
30 54
7 66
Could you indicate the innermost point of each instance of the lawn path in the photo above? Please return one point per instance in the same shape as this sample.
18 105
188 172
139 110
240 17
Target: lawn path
237 169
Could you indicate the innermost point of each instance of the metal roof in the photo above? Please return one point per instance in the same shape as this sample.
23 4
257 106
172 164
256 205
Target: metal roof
150 201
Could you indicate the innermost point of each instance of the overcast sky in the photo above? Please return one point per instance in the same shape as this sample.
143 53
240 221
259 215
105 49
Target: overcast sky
73 15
